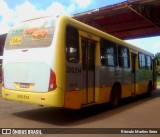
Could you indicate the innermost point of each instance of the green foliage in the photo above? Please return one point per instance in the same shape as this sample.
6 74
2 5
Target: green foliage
157 57
158 80
158 70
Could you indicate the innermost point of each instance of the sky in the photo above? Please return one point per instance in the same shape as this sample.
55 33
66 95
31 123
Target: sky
13 11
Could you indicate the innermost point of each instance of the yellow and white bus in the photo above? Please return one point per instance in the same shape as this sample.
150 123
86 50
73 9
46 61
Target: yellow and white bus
62 62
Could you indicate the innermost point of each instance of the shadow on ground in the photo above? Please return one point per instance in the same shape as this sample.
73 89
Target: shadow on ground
67 117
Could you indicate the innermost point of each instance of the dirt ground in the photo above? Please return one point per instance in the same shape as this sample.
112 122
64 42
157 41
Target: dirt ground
142 112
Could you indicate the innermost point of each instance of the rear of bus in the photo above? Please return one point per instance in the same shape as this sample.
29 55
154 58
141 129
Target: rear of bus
30 73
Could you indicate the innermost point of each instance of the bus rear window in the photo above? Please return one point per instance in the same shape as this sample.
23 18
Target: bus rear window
31 34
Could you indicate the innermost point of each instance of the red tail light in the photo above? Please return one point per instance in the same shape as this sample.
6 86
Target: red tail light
52 81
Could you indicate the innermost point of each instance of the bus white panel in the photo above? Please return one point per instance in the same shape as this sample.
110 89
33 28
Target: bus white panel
37 74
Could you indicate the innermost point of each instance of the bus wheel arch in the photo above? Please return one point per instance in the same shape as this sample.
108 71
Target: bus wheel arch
115 95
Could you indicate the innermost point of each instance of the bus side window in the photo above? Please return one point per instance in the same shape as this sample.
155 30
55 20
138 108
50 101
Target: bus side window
148 63
123 57
142 61
108 53
72 44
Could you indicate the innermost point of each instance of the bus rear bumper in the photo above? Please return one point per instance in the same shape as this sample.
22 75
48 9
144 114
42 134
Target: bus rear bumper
54 98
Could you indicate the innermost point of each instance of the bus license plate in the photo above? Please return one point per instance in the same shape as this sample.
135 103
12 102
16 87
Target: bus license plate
23 96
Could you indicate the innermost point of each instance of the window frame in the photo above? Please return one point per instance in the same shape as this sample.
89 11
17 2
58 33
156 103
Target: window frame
120 57
141 63
107 43
148 64
73 32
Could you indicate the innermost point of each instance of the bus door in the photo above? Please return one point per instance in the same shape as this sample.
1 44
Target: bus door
133 61
88 71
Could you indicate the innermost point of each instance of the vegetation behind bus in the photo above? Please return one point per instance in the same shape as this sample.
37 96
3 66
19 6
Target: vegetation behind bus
157 57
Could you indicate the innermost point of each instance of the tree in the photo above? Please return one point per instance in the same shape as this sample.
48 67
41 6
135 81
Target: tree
157 57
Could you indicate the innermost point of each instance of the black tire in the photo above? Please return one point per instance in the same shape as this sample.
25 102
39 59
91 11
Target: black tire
149 89
115 97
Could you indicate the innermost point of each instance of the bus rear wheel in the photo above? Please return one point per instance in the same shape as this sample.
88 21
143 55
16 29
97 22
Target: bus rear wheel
115 96
149 89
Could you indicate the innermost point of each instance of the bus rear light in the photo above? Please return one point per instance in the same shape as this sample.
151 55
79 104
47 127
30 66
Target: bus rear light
75 89
52 81
6 94
42 98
